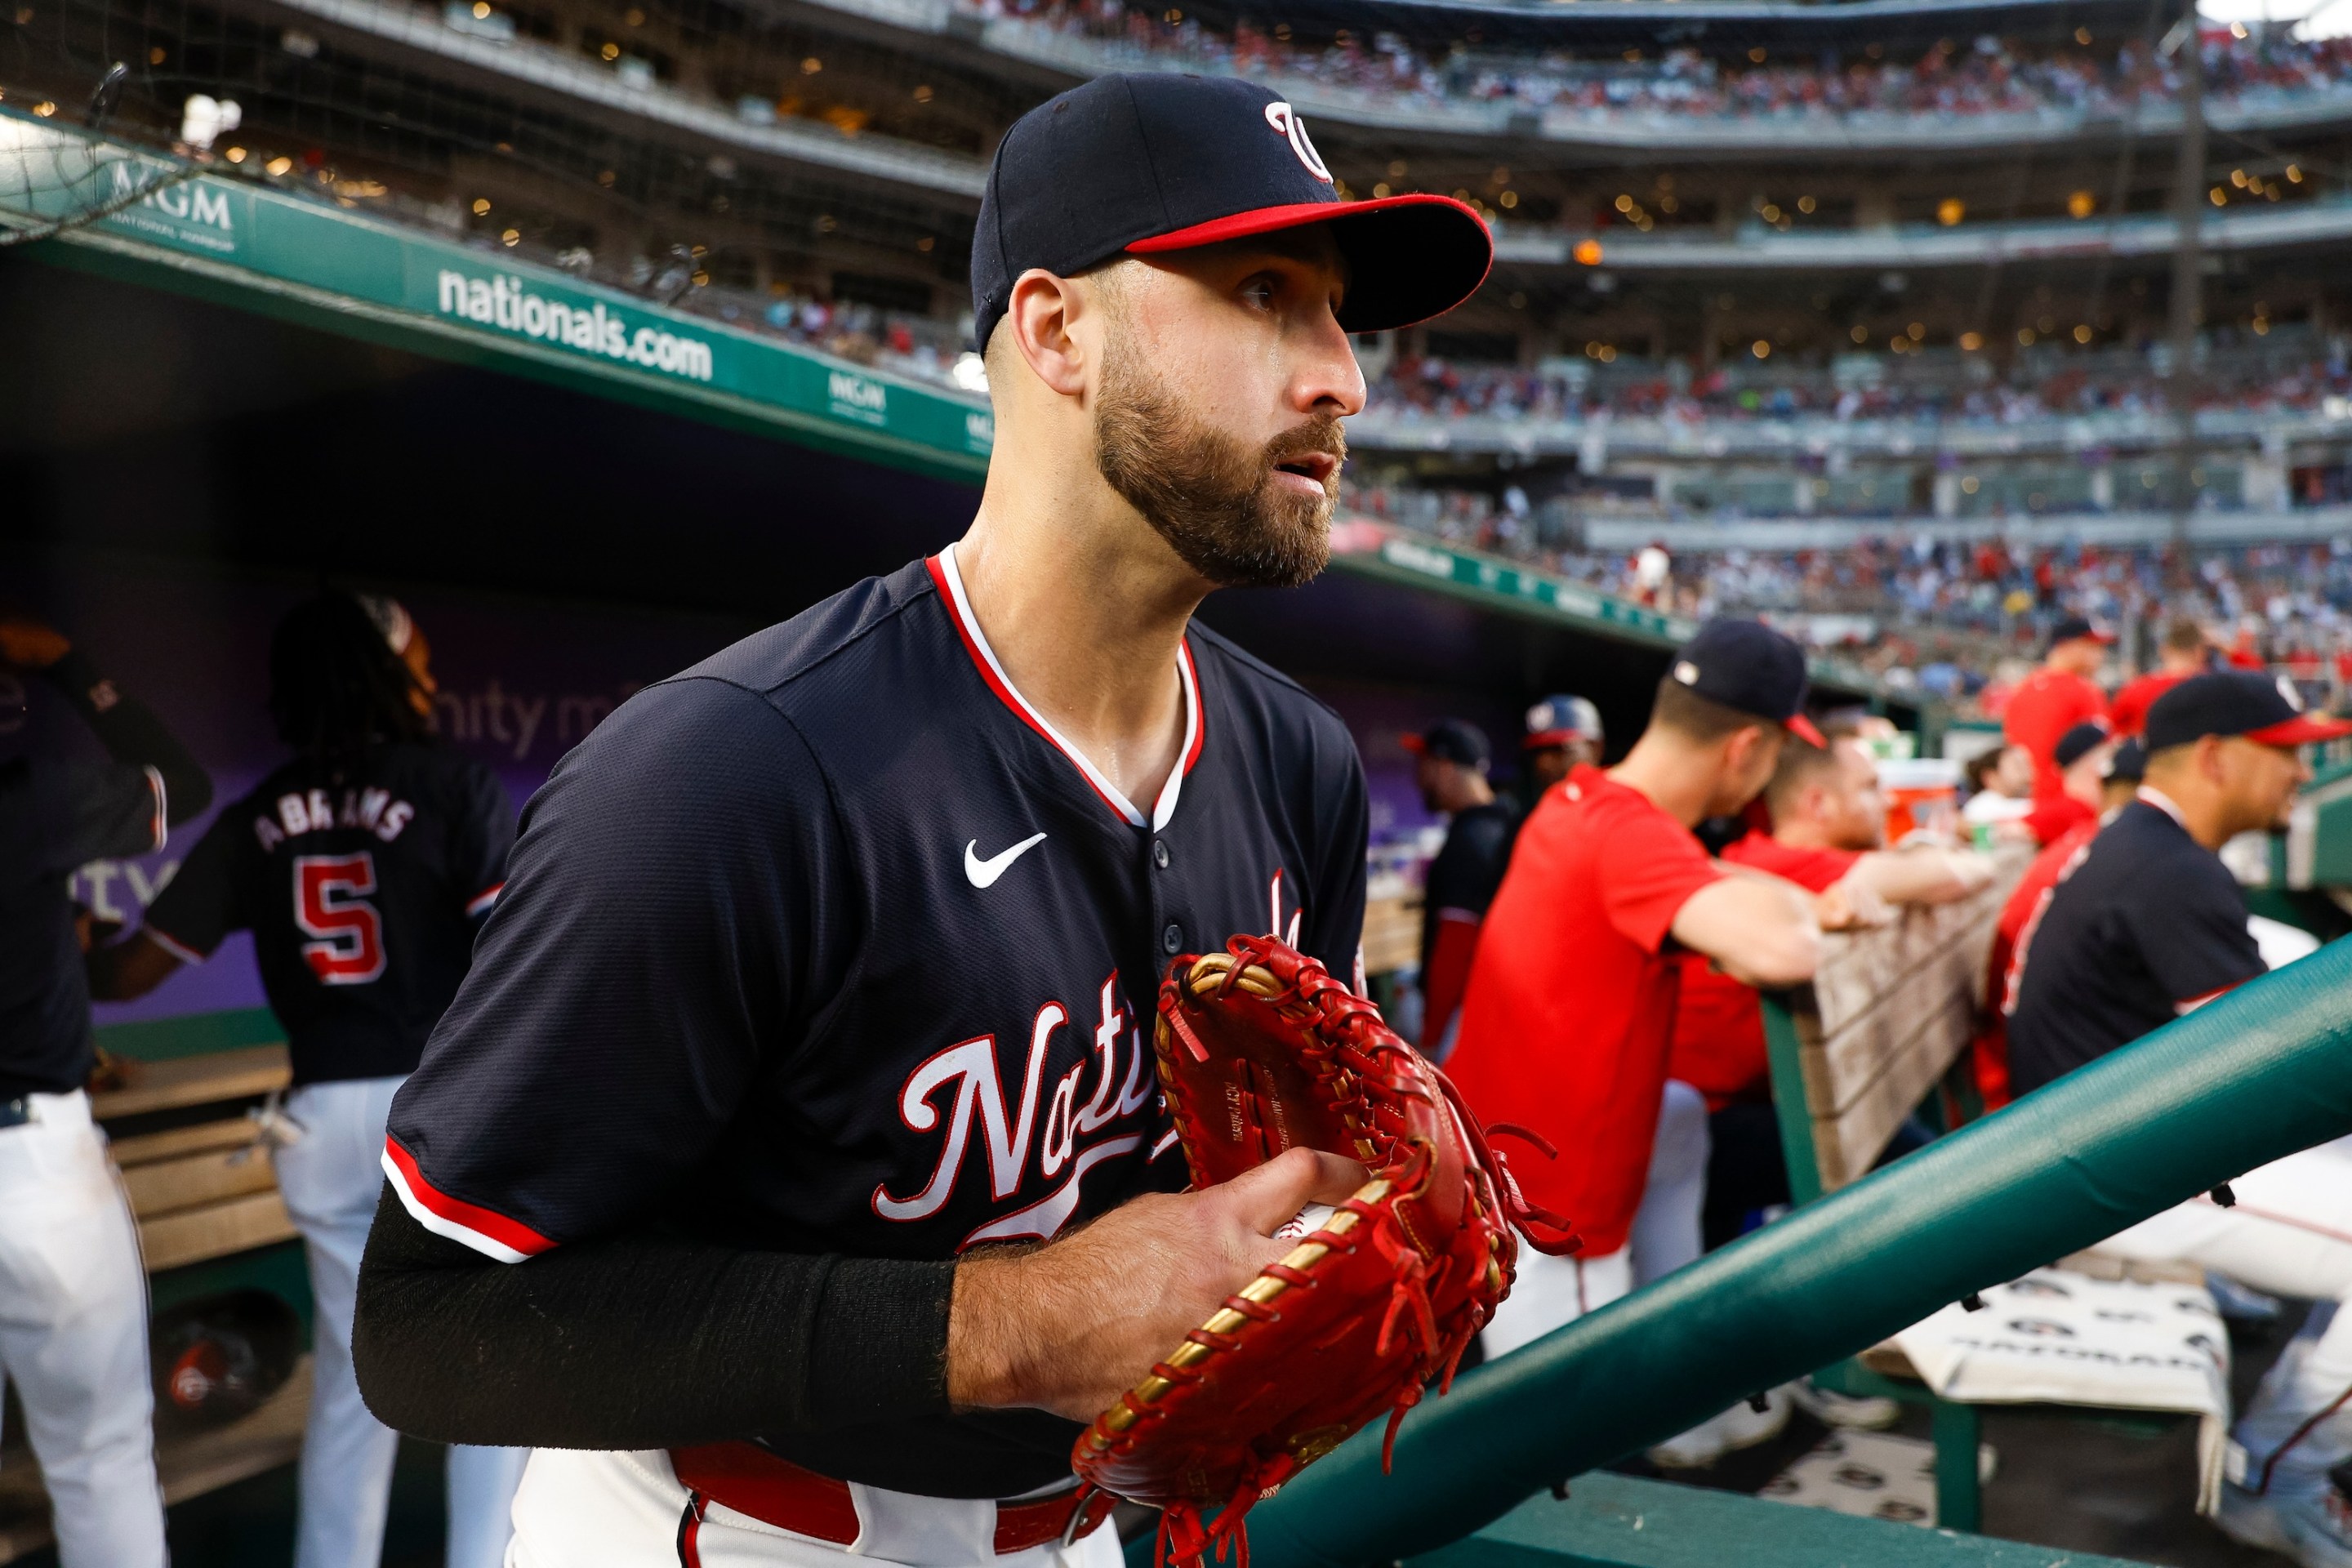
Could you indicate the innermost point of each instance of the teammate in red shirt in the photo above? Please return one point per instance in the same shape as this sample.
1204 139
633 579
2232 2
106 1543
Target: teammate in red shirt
2057 697
1570 1008
1829 827
2185 652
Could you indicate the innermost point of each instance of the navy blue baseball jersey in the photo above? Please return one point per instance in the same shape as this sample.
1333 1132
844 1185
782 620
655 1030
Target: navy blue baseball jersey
54 816
2148 925
364 885
832 945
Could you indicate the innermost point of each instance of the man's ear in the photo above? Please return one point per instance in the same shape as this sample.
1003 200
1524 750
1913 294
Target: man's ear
1039 320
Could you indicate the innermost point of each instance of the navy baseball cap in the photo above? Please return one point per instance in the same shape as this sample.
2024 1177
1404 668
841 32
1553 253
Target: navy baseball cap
1558 719
2236 703
1149 162
2074 629
2129 762
1450 741
2078 742
1748 666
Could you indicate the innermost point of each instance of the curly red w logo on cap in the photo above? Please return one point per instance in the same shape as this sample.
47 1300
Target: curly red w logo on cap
1285 120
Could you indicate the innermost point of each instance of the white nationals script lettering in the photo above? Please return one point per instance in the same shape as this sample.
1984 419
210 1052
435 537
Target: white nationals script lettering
1006 1132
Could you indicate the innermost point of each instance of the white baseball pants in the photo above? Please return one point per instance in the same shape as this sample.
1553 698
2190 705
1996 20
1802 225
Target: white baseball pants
2290 1234
331 1178
73 1336
579 1509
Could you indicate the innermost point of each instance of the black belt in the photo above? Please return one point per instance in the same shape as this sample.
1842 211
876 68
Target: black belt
16 1112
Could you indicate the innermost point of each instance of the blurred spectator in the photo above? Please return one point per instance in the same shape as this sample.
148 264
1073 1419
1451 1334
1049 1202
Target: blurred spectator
2186 651
2057 697
2004 782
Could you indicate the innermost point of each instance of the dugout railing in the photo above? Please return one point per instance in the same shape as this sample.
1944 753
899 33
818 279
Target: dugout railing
2260 1074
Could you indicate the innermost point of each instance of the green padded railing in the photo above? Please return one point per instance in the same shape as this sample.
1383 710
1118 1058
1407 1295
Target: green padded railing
2263 1072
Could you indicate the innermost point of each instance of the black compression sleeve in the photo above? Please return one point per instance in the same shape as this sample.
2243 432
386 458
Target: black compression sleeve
131 733
640 1341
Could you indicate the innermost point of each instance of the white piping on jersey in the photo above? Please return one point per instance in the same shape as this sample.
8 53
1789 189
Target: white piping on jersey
162 808
2163 803
1162 810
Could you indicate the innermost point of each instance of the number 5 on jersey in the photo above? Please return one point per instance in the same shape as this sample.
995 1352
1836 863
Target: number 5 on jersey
331 904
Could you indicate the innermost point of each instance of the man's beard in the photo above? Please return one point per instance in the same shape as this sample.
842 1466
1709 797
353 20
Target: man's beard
1214 497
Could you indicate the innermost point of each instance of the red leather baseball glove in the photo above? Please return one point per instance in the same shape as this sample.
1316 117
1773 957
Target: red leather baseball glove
1259 1049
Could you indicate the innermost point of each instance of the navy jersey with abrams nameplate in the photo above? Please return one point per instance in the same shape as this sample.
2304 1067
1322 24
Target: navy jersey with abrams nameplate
363 884
831 945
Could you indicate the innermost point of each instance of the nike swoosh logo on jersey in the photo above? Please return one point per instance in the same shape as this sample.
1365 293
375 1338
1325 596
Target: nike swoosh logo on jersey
983 873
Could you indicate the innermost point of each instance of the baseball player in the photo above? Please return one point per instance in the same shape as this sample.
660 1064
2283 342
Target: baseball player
362 867
1829 830
1451 761
1563 733
790 1169
1570 1008
73 1297
2145 926
2118 787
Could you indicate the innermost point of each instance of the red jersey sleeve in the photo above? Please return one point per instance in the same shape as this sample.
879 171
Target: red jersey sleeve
1815 870
1649 867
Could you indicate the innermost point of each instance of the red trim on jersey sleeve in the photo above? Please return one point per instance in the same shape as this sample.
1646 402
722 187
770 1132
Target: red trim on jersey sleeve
485 899
487 1232
2191 1004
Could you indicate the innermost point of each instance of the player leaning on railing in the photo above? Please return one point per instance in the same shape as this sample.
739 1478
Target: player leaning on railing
832 960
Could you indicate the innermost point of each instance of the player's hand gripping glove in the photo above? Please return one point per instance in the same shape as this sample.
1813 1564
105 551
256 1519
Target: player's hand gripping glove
1260 1049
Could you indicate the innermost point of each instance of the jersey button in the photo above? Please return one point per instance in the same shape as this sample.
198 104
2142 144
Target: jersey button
1172 940
1160 853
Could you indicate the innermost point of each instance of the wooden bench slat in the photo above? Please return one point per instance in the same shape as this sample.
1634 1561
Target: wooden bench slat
1391 934
167 1186
1848 1143
196 1080
1840 1068
236 1225
234 1132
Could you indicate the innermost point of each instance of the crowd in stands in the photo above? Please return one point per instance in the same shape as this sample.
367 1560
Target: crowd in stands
1910 606
1433 388
1988 75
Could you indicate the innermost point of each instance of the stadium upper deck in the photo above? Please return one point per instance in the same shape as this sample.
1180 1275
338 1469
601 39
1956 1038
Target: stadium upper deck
1937 215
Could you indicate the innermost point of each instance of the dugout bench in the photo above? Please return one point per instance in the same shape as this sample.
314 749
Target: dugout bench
210 1220
1882 1033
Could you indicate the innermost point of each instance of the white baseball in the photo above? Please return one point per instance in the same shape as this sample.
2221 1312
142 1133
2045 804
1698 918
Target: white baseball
1305 1222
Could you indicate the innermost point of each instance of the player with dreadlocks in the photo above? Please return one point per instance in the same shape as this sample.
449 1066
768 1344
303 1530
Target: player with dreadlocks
362 867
